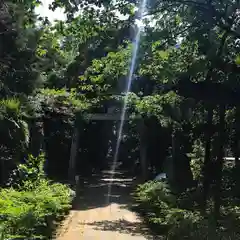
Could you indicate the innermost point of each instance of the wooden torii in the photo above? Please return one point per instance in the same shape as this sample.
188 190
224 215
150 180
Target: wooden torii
110 116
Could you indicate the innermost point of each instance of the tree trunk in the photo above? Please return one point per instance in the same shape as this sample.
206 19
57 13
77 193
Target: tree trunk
219 163
143 151
207 158
46 136
36 138
236 137
183 177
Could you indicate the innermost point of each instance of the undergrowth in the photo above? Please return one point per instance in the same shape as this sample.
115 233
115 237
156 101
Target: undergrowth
178 216
31 205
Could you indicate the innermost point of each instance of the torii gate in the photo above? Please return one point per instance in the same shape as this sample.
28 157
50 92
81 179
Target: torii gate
110 116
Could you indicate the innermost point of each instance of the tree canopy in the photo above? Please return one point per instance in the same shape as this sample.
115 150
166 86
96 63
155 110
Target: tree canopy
185 85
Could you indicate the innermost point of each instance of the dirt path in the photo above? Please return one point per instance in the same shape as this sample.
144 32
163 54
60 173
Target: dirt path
93 218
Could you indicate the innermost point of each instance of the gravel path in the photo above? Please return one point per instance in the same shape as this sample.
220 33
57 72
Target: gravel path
93 217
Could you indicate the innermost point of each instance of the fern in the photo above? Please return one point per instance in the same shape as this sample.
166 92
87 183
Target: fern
11 107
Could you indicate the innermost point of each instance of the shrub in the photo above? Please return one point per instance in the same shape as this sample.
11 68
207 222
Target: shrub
28 175
153 194
155 200
29 214
176 218
29 208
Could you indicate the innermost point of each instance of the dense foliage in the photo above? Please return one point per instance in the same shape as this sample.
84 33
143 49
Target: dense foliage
178 216
32 204
183 106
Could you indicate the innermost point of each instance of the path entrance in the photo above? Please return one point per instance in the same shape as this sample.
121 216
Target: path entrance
93 218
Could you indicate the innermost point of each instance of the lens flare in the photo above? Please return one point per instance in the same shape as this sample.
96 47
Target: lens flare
136 43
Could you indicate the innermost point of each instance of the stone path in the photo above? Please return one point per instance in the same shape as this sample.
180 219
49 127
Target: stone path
94 217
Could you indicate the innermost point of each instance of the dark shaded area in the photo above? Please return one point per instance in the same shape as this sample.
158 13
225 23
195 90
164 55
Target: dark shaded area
202 91
57 140
93 192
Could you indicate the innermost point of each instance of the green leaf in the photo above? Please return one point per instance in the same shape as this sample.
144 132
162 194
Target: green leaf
237 60
163 54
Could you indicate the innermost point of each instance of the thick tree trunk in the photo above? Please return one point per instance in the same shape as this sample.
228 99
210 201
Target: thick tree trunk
143 151
36 138
208 134
207 158
219 163
183 177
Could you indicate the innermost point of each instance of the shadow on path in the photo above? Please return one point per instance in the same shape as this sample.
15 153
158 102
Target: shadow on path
94 192
96 214
122 226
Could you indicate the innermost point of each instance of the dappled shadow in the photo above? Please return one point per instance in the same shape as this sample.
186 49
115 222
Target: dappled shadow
110 215
122 226
93 192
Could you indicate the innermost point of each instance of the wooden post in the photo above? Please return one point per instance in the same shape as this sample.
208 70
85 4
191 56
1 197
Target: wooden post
36 137
73 155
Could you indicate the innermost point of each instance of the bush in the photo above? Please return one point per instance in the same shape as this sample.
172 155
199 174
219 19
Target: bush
29 214
160 207
154 195
27 176
30 207
168 215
